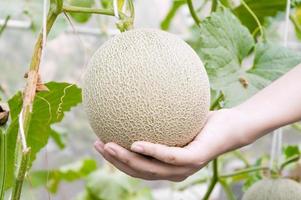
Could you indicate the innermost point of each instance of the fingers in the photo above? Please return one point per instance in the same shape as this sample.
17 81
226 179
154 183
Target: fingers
99 146
171 155
140 167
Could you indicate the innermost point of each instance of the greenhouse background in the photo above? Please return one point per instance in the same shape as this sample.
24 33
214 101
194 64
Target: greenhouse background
70 157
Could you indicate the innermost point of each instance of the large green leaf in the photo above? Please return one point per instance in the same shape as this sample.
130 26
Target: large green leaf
223 46
71 172
261 8
48 108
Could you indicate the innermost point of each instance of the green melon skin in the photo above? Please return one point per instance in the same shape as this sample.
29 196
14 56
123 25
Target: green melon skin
274 189
146 85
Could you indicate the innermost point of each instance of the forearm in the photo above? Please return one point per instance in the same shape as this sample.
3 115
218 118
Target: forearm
277 105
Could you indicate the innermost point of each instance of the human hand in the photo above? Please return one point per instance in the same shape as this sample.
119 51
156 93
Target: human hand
224 130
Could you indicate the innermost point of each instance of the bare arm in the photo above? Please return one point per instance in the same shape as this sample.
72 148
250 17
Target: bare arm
277 105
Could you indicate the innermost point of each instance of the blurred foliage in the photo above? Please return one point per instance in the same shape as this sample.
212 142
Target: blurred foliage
295 3
110 184
261 8
70 172
296 19
290 151
176 5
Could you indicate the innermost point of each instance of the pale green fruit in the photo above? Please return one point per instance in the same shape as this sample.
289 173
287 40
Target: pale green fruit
149 85
274 189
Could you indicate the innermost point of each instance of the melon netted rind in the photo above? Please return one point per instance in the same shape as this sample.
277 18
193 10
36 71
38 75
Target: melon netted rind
148 85
274 189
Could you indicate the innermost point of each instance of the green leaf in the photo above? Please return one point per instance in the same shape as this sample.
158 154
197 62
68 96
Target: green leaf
295 3
81 17
12 133
58 138
48 108
223 46
71 172
176 5
15 104
291 150
106 4
108 184
3 158
261 8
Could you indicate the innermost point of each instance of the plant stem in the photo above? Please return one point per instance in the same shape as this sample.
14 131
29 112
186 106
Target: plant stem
193 13
171 13
215 103
295 22
213 180
243 171
17 189
227 189
240 156
3 151
214 5
29 95
214 106
262 35
195 182
4 25
289 161
75 9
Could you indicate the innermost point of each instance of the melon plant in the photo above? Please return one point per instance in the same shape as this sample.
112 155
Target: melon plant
274 189
147 85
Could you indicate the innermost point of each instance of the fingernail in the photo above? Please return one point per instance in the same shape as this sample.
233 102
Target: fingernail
98 144
111 151
137 148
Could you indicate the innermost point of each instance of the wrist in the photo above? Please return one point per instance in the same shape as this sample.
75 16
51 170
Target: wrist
251 124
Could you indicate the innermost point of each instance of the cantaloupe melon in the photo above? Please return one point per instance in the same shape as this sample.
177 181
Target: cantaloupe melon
149 85
274 189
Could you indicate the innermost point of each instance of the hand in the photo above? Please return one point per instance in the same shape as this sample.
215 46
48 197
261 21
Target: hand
224 131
